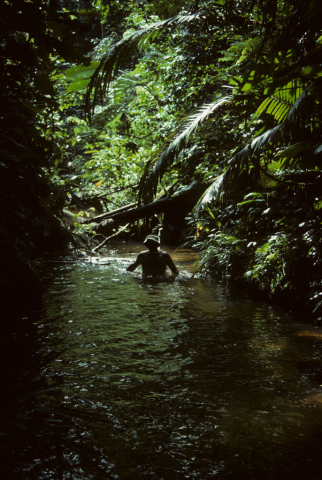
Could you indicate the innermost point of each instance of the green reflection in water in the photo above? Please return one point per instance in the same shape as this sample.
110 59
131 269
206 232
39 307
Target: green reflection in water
184 379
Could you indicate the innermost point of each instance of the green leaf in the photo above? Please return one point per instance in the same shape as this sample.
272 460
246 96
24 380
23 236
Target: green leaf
77 86
81 71
254 194
295 149
250 201
311 71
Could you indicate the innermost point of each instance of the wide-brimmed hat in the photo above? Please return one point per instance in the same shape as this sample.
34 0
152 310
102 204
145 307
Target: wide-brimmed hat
152 238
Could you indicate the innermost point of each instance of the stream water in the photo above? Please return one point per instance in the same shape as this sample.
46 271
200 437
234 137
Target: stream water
184 379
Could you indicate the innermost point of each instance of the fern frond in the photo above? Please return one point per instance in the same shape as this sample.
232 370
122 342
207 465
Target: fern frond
281 102
125 81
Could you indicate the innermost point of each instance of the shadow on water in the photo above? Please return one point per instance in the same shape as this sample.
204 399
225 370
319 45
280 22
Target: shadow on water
172 380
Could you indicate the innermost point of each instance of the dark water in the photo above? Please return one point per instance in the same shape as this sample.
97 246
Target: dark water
188 379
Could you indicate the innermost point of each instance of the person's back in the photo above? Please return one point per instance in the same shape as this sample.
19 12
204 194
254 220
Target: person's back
154 261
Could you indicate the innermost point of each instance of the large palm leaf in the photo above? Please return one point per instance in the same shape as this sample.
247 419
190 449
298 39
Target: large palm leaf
290 104
176 142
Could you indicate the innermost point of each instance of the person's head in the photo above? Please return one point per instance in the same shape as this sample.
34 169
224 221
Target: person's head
152 241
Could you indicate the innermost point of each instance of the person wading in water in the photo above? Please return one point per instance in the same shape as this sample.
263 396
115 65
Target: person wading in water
154 261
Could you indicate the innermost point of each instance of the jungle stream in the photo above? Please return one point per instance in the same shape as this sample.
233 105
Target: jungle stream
188 379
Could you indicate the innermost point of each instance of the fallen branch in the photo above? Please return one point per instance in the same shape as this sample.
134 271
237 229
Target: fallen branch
130 206
120 230
104 216
181 203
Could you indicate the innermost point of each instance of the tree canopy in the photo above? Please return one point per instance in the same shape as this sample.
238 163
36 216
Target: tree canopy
220 92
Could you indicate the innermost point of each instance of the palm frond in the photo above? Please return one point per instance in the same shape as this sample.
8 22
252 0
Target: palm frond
177 141
263 139
241 160
212 194
191 123
300 102
117 53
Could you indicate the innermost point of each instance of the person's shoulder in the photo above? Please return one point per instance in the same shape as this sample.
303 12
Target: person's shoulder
143 254
164 254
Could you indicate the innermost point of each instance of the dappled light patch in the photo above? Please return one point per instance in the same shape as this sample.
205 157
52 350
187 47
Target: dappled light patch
310 333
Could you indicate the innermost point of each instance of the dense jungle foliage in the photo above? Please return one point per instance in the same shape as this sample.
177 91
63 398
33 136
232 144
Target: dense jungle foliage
108 103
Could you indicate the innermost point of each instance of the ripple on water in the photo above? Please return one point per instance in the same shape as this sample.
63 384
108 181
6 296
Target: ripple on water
188 379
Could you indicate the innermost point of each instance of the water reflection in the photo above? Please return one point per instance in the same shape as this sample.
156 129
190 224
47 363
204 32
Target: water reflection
189 379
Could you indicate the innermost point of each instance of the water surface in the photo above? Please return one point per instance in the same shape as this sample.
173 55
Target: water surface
189 379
